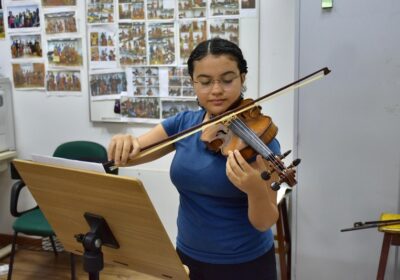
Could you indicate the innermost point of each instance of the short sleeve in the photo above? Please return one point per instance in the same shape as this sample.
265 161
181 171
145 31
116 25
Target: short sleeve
274 146
171 124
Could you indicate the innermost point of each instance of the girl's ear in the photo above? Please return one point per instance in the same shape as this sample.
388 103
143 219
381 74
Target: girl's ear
243 77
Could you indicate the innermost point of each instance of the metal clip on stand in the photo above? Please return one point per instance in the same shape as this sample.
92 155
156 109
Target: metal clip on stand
99 234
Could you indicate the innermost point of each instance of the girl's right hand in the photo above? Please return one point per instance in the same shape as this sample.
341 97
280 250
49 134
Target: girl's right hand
122 148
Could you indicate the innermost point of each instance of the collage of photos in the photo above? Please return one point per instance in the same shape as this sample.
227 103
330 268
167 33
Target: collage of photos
40 40
155 40
146 81
191 33
192 9
103 46
131 9
160 9
132 44
179 82
161 43
150 40
100 11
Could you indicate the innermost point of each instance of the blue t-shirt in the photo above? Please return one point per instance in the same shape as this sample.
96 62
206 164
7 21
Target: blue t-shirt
213 224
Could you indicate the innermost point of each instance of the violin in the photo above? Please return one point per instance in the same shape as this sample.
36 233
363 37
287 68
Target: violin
249 132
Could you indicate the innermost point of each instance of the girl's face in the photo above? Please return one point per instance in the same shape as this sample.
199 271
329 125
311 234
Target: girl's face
217 82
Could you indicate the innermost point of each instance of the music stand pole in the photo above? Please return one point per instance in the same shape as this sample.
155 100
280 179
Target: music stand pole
100 234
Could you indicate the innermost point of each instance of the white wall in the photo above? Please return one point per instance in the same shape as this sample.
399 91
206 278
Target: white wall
348 136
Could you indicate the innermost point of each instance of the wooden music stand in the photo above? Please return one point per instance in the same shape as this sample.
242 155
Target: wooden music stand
66 194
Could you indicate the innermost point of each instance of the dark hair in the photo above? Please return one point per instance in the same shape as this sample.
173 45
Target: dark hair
217 46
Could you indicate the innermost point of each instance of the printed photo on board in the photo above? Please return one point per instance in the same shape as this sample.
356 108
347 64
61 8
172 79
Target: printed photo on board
23 18
58 3
60 22
107 83
63 80
131 9
192 9
132 44
140 107
26 46
64 52
28 75
224 8
161 43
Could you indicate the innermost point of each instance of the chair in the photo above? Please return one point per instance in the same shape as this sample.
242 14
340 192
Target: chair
32 221
391 237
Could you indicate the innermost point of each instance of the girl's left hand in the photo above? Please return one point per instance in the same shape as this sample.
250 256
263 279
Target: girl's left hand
244 176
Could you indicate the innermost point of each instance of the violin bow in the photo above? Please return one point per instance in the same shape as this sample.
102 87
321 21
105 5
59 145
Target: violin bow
372 224
231 113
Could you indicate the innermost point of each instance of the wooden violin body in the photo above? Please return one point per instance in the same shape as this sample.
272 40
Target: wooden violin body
249 132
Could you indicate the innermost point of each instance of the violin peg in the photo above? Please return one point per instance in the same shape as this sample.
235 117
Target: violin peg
275 186
265 175
285 154
294 163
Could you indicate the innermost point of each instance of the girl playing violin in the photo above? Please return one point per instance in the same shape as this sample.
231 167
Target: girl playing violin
226 208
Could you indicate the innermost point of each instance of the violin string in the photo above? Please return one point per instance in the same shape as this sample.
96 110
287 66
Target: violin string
242 129
260 144
246 133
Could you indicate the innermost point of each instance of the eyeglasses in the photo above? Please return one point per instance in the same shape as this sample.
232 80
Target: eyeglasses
207 85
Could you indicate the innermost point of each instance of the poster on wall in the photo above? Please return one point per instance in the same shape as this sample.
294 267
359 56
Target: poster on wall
225 28
60 23
191 33
172 107
131 10
23 17
107 85
100 11
224 8
164 90
103 44
2 32
63 82
161 9
192 9
132 44
28 75
64 52
161 43
147 109
58 3
26 46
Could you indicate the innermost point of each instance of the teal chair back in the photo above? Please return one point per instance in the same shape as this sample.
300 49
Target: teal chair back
82 150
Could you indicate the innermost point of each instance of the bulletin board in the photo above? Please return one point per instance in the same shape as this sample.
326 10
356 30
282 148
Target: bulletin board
131 53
